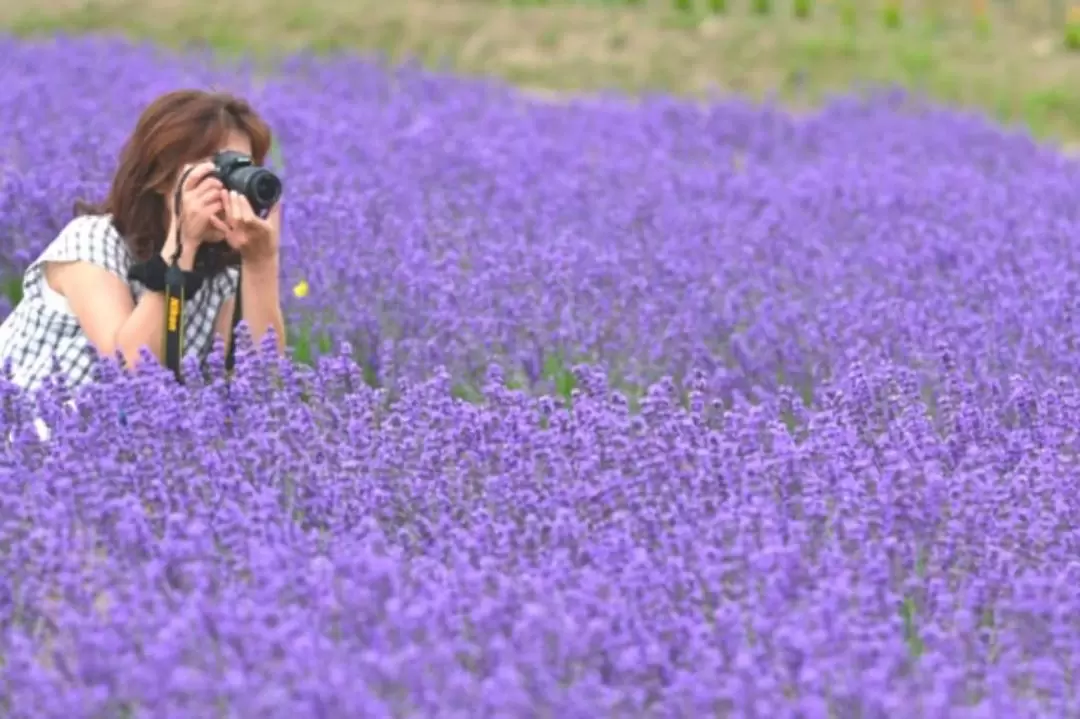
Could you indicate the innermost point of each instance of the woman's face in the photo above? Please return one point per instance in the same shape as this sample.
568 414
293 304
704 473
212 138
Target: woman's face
236 141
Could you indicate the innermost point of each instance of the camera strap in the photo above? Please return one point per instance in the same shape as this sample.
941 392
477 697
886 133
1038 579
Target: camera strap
174 288
174 322
237 315
176 297
174 319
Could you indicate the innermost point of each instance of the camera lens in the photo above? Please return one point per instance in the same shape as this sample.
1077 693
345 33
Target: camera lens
266 188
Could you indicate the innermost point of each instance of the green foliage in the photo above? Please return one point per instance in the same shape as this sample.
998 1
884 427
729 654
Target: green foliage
306 344
849 17
557 370
1072 35
11 288
803 9
892 16
684 5
467 393
762 7
718 7
908 614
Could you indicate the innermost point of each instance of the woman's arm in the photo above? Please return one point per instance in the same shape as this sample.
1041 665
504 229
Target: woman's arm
101 300
102 303
260 300
260 287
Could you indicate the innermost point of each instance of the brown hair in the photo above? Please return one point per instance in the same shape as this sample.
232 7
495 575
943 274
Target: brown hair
176 128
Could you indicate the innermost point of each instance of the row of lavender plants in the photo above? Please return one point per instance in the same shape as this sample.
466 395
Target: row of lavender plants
767 415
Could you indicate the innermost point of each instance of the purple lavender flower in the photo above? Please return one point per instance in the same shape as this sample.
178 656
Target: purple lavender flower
809 447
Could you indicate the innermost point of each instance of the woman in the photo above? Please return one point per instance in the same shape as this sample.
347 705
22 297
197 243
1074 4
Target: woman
78 301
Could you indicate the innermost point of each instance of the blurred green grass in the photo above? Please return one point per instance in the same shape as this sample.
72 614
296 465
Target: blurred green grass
1009 57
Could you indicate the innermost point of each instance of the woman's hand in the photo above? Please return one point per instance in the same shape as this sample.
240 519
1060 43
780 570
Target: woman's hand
200 205
255 238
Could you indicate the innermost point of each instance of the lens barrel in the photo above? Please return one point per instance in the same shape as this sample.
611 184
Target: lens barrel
239 174
261 187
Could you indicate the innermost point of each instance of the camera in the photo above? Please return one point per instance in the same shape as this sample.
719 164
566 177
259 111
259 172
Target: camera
239 173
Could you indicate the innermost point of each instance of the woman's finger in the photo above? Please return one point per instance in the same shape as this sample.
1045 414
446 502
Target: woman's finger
218 224
274 216
196 175
236 240
210 184
199 199
202 219
208 206
237 208
221 199
202 195
247 214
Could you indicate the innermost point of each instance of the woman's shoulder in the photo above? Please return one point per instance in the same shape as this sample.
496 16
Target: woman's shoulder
93 227
89 238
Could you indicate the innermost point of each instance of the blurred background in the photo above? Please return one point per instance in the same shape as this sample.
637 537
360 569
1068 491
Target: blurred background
1017 59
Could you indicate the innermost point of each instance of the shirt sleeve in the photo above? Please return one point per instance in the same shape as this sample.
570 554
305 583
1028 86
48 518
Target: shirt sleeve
90 239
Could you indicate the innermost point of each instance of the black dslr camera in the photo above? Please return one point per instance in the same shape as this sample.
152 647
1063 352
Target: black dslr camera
239 173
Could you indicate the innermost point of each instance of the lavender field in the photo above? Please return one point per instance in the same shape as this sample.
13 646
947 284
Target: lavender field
620 409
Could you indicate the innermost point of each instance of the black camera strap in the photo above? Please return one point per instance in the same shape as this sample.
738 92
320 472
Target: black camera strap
176 297
174 288
237 315
174 319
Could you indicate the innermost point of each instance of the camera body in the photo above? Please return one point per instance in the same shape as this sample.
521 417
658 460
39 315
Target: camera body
239 173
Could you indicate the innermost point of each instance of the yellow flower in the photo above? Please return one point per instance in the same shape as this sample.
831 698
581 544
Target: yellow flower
301 289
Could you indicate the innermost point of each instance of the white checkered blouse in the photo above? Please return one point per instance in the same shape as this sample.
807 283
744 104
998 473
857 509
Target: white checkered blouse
42 327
